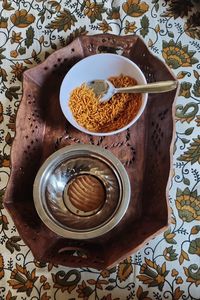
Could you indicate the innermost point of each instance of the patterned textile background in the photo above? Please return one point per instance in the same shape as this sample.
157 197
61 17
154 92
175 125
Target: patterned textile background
168 266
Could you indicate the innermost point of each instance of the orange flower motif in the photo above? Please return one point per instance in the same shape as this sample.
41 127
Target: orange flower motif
176 55
22 280
51 266
9 296
104 26
13 53
135 8
45 297
46 286
179 280
84 291
18 70
11 122
16 37
153 274
43 279
193 274
129 27
177 294
105 273
113 14
22 19
174 273
90 9
93 10
187 202
185 89
160 279
3 22
5 161
141 295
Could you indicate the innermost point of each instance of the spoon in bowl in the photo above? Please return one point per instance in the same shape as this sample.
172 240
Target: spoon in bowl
105 89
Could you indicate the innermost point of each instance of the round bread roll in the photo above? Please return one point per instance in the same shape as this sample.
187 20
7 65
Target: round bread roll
86 193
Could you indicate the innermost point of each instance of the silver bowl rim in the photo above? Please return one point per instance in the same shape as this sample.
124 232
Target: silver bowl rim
59 156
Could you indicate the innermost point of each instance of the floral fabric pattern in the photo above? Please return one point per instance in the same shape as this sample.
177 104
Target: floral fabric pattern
168 266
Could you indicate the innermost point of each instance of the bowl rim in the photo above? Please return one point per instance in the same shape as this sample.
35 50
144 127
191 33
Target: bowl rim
59 156
134 120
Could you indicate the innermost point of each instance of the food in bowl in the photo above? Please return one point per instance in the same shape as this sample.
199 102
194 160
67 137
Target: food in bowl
81 191
102 67
86 193
119 111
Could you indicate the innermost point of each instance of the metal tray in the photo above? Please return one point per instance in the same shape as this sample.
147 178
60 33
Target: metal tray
144 150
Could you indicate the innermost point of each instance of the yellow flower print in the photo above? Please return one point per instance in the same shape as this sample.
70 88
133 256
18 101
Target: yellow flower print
113 14
170 254
179 280
45 297
46 286
84 291
104 26
185 89
177 55
12 121
177 293
142 295
153 274
90 8
105 273
160 279
22 280
192 155
22 19
135 8
16 37
3 22
93 11
188 205
4 162
18 70
129 27
174 272
192 276
43 279
13 53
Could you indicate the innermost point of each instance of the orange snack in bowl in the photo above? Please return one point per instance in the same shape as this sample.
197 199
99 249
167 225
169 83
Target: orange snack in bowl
119 111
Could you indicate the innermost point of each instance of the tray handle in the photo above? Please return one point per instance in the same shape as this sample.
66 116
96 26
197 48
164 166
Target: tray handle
70 250
107 43
75 256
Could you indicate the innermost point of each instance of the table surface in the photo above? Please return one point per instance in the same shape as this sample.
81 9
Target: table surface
168 266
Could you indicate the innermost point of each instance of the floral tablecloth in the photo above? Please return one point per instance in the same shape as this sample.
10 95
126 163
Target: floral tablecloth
168 266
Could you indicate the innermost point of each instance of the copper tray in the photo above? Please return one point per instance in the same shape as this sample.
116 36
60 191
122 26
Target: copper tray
144 150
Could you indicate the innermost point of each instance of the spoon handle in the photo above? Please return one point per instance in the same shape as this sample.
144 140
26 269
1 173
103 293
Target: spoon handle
157 87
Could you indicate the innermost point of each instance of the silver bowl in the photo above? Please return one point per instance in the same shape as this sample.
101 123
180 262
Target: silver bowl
81 191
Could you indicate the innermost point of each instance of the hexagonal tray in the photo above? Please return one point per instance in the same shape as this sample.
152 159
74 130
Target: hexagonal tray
144 150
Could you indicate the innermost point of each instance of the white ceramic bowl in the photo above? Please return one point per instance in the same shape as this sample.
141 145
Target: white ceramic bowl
99 66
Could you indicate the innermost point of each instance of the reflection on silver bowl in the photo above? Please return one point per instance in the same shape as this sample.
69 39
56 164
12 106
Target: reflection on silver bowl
81 191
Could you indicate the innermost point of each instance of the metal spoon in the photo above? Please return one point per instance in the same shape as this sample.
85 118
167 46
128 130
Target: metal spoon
105 89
